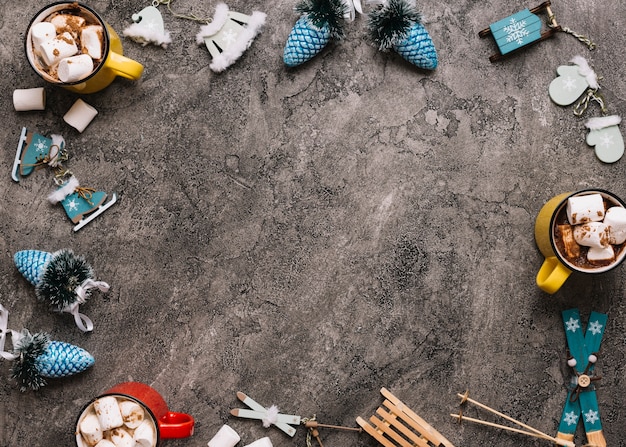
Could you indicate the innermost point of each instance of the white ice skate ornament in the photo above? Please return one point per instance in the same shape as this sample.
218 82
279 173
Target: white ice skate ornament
229 35
605 135
148 28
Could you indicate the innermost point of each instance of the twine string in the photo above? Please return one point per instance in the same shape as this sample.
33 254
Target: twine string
85 193
584 39
190 16
592 95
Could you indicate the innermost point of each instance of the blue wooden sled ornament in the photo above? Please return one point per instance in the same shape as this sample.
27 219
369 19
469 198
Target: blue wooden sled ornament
581 398
520 30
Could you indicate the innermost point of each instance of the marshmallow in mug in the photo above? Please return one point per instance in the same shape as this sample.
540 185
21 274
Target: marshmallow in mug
65 22
144 435
592 234
615 220
583 209
42 32
75 68
601 253
91 38
57 48
108 412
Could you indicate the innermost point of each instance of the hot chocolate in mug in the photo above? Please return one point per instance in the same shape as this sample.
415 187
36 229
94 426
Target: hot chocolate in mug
570 218
70 45
130 413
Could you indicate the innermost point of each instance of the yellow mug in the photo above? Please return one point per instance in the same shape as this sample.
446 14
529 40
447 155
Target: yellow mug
106 69
556 268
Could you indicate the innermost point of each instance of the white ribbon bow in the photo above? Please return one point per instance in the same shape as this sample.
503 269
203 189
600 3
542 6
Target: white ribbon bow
82 321
4 321
353 6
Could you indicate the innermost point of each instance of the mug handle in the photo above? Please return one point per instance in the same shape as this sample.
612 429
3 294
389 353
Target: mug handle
175 425
552 275
124 66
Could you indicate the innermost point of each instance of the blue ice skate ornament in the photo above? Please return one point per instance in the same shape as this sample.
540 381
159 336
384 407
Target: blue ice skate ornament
148 27
229 35
35 151
36 358
319 22
396 25
62 279
81 204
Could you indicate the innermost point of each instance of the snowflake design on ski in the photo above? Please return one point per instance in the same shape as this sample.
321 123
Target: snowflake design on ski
570 418
596 327
592 417
572 324
516 31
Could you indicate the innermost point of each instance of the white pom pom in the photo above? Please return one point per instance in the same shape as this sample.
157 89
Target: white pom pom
271 416
593 358
572 362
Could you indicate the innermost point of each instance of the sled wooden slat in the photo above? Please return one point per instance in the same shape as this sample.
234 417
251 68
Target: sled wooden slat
398 426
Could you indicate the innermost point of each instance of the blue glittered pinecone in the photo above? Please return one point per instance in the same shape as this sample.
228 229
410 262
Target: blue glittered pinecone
304 42
418 48
39 358
396 25
320 21
56 276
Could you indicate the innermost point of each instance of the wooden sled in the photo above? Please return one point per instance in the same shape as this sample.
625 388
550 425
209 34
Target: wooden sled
398 426
520 30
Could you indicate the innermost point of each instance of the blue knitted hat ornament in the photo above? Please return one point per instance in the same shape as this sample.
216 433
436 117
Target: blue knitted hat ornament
62 279
319 22
396 25
36 358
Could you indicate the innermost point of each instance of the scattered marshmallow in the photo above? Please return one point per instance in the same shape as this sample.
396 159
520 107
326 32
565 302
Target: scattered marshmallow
225 437
615 220
592 234
42 32
586 208
75 68
60 47
80 115
105 443
596 254
29 99
91 38
263 442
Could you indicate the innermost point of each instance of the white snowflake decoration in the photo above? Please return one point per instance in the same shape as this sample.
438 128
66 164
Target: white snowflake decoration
572 324
516 31
592 417
596 327
570 418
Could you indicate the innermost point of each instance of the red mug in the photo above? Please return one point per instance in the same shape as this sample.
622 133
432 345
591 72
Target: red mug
167 424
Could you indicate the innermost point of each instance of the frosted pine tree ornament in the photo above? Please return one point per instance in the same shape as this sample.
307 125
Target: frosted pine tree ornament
319 22
62 279
396 25
37 358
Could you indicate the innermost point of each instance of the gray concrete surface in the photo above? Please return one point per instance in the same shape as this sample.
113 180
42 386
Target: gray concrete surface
310 235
